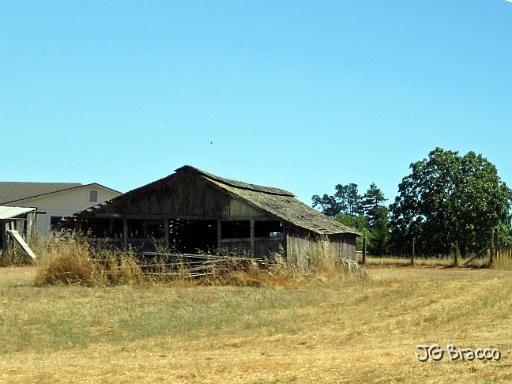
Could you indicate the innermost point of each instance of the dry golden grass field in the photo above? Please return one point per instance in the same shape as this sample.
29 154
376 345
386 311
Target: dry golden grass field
324 331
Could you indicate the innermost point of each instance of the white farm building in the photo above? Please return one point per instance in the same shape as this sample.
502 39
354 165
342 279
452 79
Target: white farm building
54 201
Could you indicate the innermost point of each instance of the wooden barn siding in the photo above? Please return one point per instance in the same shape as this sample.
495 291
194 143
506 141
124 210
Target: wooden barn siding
269 247
190 197
349 246
185 196
303 247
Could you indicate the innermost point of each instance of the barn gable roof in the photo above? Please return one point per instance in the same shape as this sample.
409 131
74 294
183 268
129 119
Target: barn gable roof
277 202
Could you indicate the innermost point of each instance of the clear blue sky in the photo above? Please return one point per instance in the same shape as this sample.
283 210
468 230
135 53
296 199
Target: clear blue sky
294 94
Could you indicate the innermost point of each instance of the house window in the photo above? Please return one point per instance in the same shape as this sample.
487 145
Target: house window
93 196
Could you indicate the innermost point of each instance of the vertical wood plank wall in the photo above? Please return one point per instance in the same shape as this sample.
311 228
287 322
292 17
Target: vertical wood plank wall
302 249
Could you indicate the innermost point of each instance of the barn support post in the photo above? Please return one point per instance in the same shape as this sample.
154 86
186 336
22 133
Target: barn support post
125 233
252 238
110 225
19 225
218 237
166 232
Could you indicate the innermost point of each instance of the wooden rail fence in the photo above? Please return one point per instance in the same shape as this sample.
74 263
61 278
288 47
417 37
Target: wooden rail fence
188 265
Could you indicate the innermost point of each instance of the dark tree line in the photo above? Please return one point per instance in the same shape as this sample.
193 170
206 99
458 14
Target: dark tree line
449 203
364 212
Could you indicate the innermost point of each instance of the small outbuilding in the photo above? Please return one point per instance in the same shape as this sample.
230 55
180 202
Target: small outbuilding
192 211
16 227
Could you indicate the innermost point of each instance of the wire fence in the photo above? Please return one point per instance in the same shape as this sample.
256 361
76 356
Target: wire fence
499 258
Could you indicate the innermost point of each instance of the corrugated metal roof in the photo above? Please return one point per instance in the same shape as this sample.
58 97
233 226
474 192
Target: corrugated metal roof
10 212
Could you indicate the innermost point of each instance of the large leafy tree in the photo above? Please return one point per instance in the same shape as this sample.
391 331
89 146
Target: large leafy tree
450 203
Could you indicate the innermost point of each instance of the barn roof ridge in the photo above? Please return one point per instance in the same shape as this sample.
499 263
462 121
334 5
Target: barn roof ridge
237 183
278 202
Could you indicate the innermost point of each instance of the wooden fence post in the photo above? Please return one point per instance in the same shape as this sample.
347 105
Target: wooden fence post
363 261
413 253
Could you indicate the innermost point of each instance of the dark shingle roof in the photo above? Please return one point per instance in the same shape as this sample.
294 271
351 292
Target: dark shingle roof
14 191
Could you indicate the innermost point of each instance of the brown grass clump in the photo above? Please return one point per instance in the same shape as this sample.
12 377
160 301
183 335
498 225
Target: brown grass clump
10 258
254 275
66 262
71 261
118 268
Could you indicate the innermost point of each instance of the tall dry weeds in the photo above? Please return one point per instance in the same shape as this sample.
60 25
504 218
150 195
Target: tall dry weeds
71 261
65 262
11 258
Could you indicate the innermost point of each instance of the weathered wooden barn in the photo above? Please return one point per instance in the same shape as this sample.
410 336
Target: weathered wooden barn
193 211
